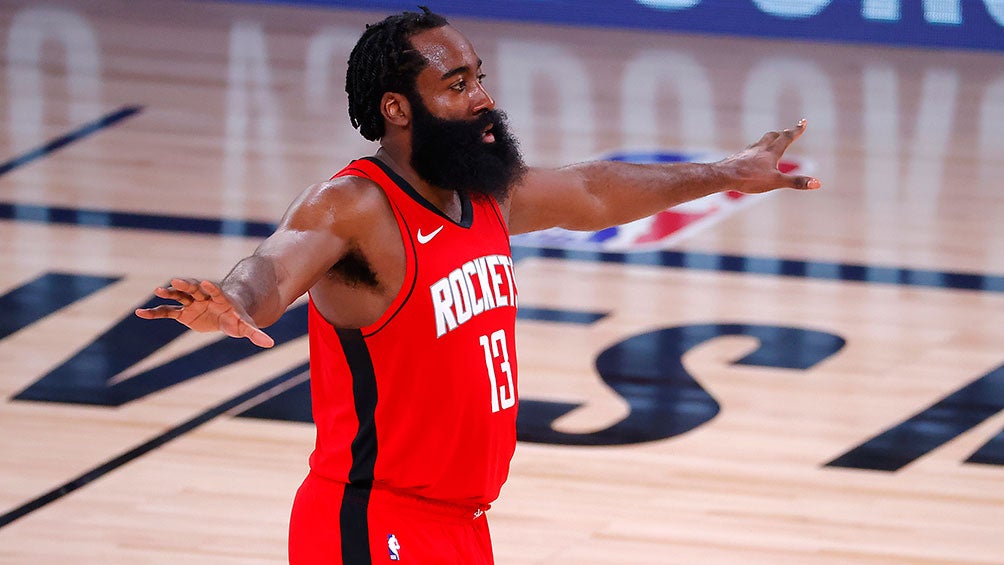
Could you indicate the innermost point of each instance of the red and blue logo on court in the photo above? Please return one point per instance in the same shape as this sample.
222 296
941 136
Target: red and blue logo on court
661 230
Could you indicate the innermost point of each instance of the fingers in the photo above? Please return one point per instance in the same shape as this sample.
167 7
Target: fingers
183 291
171 293
159 312
228 320
213 292
234 325
775 144
187 291
192 287
786 137
792 134
789 135
801 182
798 181
260 338
230 323
244 329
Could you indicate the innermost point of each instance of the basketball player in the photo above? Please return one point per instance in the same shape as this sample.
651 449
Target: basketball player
405 255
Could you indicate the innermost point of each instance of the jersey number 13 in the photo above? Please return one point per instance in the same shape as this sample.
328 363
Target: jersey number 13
497 353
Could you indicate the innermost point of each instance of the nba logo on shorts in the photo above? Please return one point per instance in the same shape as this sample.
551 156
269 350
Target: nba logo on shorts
393 547
663 229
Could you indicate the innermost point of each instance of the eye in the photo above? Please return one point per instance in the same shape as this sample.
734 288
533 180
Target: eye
461 84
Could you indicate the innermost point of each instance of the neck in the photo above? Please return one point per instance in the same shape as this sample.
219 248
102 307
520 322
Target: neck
447 201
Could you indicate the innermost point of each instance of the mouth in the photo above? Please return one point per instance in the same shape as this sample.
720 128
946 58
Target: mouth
487 136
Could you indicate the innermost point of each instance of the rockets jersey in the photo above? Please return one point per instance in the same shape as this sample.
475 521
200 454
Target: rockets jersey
423 401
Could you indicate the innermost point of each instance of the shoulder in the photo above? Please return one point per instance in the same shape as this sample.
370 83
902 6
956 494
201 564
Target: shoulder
344 191
344 200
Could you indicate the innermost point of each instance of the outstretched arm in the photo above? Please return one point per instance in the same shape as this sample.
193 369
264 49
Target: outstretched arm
313 236
599 194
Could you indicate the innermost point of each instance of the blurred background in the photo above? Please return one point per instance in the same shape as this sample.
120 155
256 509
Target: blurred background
786 378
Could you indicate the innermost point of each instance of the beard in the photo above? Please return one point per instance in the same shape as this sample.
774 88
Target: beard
453 154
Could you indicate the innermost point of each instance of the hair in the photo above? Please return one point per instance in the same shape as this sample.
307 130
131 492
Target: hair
384 60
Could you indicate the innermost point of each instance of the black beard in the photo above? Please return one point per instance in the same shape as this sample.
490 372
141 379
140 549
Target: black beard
452 154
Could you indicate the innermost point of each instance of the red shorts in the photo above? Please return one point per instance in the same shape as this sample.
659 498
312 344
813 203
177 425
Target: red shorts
334 523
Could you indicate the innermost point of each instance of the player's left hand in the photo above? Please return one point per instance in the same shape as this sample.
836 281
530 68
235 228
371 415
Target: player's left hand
754 169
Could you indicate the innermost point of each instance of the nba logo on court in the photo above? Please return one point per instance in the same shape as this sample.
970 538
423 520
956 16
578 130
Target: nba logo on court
393 547
665 228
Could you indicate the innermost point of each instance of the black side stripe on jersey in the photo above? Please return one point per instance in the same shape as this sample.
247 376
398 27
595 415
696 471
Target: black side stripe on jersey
355 502
364 393
354 525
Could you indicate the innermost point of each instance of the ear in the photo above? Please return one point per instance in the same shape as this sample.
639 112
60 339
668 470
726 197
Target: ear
395 109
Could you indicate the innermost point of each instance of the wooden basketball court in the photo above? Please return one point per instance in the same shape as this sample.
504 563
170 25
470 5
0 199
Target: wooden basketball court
788 379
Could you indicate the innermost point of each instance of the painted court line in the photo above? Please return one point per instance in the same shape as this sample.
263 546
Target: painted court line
75 135
259 393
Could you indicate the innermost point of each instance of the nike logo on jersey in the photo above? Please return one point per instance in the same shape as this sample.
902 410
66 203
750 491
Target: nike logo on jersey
423 238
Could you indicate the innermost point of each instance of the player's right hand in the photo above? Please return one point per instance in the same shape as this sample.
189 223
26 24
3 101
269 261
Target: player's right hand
204 307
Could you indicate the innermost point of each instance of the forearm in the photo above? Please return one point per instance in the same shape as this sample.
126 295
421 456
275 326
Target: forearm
616 192
599 194
254 285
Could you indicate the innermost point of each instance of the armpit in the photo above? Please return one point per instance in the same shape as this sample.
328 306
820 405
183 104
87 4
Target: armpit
354 270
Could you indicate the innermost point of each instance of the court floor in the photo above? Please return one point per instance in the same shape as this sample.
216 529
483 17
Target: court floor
793 378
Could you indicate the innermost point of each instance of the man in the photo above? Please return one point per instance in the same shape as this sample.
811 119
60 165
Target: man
412 310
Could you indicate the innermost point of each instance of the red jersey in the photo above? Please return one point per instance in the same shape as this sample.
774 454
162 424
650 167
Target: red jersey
423 401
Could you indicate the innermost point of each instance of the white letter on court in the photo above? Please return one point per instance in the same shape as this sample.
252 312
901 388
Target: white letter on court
996 10
935 11
527 66
792 8
645 78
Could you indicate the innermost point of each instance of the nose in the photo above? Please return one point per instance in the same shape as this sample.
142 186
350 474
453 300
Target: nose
482 101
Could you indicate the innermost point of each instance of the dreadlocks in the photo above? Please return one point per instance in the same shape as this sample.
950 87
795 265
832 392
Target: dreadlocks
384 60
